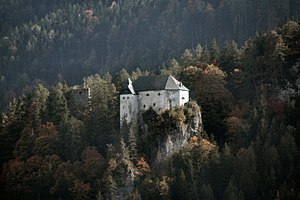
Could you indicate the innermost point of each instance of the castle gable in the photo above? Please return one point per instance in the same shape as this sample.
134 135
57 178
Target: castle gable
127 89
173 84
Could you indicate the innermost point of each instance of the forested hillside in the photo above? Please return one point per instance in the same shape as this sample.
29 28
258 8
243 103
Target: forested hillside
49 41
246 148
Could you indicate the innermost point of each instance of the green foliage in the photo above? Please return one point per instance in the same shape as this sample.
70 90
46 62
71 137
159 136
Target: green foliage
245 172
70 136
173 118
214 51
50 151
57 105
70 39
179 188
100 120
206 192
47 141
215 100
232 192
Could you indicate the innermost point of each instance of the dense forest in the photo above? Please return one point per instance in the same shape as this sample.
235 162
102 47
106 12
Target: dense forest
248 146
44 41
240 60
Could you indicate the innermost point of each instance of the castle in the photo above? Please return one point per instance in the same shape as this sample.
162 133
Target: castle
158 92
81 95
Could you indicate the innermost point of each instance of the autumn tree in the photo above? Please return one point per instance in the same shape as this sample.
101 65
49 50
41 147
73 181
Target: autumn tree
214 99
47 140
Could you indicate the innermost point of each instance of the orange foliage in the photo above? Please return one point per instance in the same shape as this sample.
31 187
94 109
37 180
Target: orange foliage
207 145
142 166
194 140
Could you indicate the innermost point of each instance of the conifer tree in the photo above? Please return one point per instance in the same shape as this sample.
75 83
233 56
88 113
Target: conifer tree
187 58
246 174
230 57
110 186
179 186
232 192
206 192
39 104
57 105
214 52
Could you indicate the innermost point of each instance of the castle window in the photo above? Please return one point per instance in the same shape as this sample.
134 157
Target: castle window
144 106
123 97
79 92
182 98
158 94
154 104
147 94
127 97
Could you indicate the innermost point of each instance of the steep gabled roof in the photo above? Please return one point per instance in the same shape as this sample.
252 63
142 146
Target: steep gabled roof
173 84
147 83
127 89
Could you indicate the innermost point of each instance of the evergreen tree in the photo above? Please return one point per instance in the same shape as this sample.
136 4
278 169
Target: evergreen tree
110 186
214 52
38 104
206 192
70 137
179 186
100 120
230 57
57 105
246 174
232 192
187 58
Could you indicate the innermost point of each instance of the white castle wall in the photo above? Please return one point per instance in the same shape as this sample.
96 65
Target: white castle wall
129 108
133 105
154 99
162 99
183 97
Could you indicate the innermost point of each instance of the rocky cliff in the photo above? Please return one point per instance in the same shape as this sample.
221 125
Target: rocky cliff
164 134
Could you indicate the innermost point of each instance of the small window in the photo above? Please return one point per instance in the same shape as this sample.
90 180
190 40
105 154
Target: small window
127 97
144 106
123 97
158 94
79 92
182 98
154 104
147 94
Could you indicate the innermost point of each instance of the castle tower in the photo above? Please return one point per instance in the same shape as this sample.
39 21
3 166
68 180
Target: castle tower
128 104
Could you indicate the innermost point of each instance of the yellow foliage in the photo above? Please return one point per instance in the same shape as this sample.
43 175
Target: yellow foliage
214 70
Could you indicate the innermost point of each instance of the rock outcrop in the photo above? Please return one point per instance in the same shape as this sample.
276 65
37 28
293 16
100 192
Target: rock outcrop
164 134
